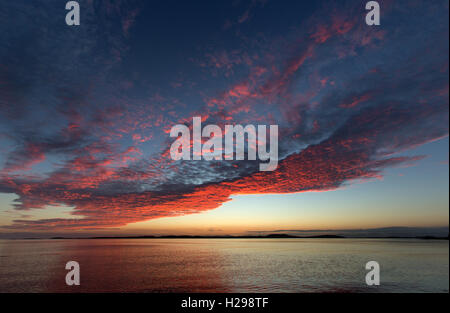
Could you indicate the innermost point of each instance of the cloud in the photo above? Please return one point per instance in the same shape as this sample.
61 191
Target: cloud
346 106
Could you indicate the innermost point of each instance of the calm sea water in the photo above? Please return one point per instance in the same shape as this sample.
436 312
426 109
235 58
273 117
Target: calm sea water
224 265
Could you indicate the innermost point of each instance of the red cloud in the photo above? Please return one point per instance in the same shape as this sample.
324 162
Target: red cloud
318 168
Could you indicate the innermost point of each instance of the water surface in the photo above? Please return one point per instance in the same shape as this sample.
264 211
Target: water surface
224 265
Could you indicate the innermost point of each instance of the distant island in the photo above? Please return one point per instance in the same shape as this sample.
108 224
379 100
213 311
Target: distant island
269 236
201 237
392 232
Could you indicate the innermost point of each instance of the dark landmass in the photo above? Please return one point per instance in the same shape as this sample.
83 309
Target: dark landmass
394 232
205 237
432 238
276 236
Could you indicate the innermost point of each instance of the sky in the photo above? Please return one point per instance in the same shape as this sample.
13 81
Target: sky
86 112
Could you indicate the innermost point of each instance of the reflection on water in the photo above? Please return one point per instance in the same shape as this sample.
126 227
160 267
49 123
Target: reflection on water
224 265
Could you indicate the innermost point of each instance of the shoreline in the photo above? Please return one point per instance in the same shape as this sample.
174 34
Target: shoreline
274 236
